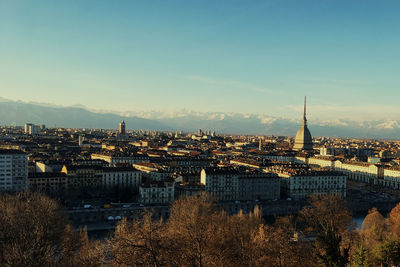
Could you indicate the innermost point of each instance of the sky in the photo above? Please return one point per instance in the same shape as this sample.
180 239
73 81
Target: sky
227 55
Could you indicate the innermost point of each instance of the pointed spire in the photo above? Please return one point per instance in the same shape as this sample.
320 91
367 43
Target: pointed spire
305 110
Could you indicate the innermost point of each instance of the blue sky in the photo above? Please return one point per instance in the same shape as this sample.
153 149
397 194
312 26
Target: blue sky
231 56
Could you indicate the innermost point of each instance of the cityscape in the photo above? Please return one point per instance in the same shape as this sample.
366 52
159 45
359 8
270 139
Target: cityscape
228 133
102 176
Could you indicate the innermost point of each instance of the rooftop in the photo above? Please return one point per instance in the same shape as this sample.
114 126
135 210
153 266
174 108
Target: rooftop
36 175
11 151
120 169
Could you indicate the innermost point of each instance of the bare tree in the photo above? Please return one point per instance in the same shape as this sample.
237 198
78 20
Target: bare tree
140 243
394 220
239 247
276 245
79 250
196 228
329 219
34 232
30 229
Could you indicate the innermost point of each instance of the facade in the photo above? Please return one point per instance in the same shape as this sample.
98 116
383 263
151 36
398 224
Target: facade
303 139
157 192
360 171
392 177
300 183
366 172
83 176
221 182
230 184
259 186
32 129
188 189
51 182
13 170
121 176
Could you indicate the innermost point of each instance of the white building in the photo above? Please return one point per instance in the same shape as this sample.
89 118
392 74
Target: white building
121 176
13 170
157 192
300 183
392 177
360 171
366 172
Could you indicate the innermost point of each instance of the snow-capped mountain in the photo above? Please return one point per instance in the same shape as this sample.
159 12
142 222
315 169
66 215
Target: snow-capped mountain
266 124
17 112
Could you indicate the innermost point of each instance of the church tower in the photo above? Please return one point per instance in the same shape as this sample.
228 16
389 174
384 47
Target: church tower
303 140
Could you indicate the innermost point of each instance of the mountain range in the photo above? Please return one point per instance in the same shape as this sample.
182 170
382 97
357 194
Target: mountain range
18 113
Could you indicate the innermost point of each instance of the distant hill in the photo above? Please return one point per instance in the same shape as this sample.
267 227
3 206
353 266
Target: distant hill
235 123
74 117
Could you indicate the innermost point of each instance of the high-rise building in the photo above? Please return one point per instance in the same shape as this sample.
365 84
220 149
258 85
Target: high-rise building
13 170
27 126
122 127
32 129
303 140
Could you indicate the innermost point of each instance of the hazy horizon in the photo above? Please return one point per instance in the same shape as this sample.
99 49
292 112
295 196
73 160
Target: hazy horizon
19 113
316 113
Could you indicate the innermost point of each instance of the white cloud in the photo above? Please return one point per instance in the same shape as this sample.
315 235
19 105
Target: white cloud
335 112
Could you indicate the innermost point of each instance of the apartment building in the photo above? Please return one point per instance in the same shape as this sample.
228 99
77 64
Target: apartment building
298 182
121 176
13 170
157 192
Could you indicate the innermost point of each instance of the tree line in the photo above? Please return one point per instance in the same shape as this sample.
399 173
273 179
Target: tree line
35 232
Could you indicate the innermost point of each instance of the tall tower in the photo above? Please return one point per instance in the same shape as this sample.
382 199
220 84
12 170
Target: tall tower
303 140
122 128
81 139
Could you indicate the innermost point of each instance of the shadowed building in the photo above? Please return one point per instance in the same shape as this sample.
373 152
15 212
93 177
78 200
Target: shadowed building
303 140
